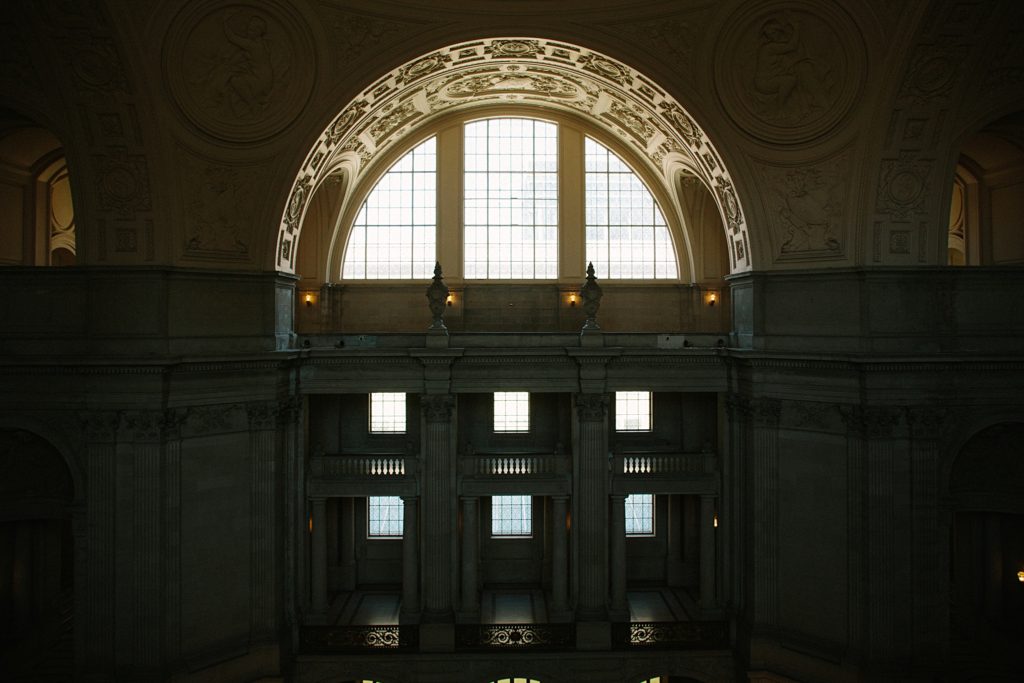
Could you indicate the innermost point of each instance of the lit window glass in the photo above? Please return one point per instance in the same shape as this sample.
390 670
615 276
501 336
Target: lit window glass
511 411
632 411
640 514
387 413
627 237
511 516
511 199
394 235
385 515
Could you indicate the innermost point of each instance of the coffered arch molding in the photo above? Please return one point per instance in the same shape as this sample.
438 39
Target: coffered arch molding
535 72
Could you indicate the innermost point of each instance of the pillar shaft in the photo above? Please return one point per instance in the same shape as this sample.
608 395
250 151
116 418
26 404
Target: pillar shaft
707 552
591 518
617 551
559 593
347 519
410 556
438 508
470 553
318 557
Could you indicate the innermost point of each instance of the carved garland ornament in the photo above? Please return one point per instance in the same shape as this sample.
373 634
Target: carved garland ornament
514 70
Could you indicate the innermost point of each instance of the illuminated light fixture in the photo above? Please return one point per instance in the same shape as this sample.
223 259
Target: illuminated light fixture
1020 576
711 298
450 300
714 521
309 298
310 524
572 298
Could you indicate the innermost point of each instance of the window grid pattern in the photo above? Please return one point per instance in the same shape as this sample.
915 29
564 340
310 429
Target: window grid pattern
395 233
511 516
385 516
511 411
632 411
627 237
640 514
387 413
511 199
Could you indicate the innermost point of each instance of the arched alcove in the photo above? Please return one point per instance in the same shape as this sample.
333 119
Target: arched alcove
36 556
986 216
986 490
37 215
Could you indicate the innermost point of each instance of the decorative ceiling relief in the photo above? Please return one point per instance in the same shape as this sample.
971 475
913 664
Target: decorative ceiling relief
674 38
518 71
806 206
240 73
789 72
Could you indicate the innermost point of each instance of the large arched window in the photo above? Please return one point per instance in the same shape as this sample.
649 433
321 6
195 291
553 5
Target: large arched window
395 233
521 199
627 236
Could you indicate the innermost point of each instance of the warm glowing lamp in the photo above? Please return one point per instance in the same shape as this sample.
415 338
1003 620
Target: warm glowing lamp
309 298
1020 576
715 521
450 300
572 298
712 298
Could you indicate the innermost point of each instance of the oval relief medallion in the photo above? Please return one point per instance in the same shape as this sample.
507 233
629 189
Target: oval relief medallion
240 72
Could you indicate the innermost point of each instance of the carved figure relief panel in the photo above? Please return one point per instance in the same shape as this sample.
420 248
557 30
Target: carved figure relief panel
240 72
788 72
807 208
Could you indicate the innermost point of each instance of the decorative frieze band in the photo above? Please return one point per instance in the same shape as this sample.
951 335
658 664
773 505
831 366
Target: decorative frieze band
437 407
591 407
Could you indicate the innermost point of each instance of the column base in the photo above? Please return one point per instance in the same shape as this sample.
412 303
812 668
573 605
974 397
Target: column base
468 616
593 635
437 637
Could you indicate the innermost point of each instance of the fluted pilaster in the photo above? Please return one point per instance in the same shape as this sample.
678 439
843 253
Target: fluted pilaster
591 519
438 502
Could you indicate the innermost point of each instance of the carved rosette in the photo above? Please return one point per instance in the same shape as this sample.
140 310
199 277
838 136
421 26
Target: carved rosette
789 70
262 416
240 73
591 407
437 407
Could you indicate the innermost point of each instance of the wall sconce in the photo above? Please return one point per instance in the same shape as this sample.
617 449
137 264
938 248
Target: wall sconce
572 298
1020 576
714 520
309 298
310 524
711 298
450 299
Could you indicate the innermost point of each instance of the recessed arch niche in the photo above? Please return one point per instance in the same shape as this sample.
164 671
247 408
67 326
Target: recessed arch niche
531 72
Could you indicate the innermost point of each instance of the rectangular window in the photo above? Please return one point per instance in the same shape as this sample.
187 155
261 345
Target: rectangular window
511 411
632 411
640 514
387 413
511 516
384 515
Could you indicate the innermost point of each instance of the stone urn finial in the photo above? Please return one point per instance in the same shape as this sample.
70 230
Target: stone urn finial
591 294
437 296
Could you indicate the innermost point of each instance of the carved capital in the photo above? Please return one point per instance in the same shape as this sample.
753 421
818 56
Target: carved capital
873 422
927 422
591 407
262 416
142 425
99 427
766 412
437 407
738 407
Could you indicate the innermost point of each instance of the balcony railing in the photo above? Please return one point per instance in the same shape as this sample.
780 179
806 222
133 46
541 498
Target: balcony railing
514 464
515 636
673 635
358 639
385 465
672 464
